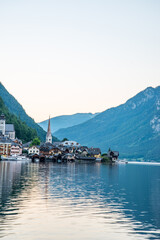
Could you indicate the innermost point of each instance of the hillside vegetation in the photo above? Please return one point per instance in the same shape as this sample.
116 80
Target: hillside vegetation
23 132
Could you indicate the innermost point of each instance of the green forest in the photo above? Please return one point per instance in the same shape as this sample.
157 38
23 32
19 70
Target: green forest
23 132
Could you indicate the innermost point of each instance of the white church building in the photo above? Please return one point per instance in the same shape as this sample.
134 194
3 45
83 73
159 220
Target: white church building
6 130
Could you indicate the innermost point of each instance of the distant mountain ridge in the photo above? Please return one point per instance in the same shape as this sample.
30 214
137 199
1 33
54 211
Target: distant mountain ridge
16 108
132 128
65 121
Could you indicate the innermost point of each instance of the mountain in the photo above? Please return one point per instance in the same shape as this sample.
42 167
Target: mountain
23 132
66 121
132 128
16 108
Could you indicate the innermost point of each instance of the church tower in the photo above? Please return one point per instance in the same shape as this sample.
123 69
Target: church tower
49 135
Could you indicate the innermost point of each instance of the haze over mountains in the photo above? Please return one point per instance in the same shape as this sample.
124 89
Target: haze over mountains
132 128
66 121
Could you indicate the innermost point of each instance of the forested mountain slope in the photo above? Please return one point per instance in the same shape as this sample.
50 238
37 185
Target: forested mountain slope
23 132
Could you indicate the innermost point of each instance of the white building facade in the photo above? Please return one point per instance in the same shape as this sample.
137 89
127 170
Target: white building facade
16 149
33 150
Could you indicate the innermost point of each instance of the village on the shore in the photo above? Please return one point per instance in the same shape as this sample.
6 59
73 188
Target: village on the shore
12 148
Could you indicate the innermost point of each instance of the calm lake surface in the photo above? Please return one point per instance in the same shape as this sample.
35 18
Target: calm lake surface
79 201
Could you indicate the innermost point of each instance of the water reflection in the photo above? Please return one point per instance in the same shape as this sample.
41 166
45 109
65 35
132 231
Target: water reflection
75 201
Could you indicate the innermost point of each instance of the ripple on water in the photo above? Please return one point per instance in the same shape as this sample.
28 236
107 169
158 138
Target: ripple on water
79 202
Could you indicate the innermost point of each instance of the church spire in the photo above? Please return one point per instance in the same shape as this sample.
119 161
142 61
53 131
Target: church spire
49 135
49 127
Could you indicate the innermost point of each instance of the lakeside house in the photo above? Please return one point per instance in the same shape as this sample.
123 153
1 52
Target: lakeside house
16 149
5 145
55 151
94 152
33 150
9 147
113 154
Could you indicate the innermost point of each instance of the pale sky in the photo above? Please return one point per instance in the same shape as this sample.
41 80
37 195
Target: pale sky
68 56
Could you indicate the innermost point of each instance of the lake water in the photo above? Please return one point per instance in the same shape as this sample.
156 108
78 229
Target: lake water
79 201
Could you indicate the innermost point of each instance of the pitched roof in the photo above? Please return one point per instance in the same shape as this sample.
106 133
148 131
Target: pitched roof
95 151
48 146
27 144
56 143
113 153
16 144
37 146
5 140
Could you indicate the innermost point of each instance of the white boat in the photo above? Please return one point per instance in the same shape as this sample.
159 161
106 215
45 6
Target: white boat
36 159
15 158
22 158
4 157
98 159
123 161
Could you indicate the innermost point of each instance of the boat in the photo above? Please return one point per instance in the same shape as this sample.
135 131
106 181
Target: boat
36 160
4 157
15 158
22 158
98 159
10 158
123 161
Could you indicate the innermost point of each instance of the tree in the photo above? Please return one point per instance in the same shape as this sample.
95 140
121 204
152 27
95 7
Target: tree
35 141
65 139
